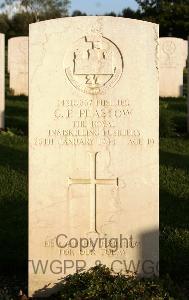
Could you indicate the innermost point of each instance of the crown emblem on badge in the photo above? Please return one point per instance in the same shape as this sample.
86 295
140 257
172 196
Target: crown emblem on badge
93 58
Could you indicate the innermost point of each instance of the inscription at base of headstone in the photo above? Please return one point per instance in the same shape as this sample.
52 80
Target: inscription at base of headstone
18 65
93 148
2 81
173 56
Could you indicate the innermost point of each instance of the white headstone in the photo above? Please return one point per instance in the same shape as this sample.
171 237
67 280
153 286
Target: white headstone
93 147
2 81
18 65
173 56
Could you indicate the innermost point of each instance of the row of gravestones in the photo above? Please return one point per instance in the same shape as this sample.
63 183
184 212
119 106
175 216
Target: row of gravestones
17 69
94 140
173 57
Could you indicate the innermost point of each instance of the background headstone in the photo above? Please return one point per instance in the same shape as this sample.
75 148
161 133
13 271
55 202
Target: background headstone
2 81
173 56
18 65
94 105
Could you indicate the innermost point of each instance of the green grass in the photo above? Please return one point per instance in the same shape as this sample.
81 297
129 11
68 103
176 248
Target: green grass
13 191
174 208
174 191
17 114
174 194
176 110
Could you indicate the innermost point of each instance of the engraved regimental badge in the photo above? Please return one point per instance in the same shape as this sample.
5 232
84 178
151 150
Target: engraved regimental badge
169 49
94 64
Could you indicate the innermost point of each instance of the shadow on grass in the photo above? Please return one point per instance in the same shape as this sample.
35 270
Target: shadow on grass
177 106
13 205
14 158
174 237
176 110
174 160
180 124
13 232
173 211
20 98
174 203
16 113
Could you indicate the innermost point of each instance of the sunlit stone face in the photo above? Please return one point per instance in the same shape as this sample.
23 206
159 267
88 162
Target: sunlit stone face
18 65
93 147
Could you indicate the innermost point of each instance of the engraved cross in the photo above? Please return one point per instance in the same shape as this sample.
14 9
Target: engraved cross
93 182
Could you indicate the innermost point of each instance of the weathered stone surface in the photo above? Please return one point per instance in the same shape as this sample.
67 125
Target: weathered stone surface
2 81
173 56
18 65
93 147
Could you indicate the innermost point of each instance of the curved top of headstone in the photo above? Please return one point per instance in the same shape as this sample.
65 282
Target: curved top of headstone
18 51
94 46
90 18
18 38
178 41
171 37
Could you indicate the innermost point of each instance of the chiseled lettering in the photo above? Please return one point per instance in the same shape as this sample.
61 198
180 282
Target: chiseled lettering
75 141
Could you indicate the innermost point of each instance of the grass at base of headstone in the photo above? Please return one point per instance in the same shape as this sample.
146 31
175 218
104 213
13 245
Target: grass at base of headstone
100 283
